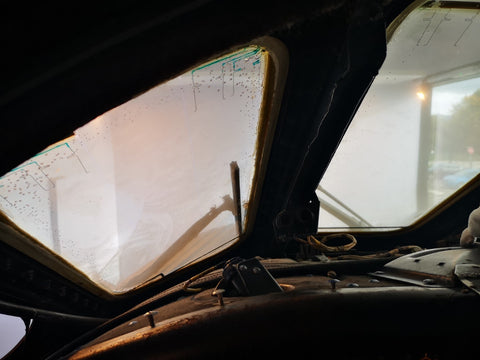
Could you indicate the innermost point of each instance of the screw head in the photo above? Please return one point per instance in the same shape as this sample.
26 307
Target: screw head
218 292
429 281
243 267
331 274
256 270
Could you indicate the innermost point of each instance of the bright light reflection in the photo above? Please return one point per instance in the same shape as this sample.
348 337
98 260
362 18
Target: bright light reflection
421 95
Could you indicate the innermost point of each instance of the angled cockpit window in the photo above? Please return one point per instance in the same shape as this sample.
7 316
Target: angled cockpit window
12 331
146 187
414 140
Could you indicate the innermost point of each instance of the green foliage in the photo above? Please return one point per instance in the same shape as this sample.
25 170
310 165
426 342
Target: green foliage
459 131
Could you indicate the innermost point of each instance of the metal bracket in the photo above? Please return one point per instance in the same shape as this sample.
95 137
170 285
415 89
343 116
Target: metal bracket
248 278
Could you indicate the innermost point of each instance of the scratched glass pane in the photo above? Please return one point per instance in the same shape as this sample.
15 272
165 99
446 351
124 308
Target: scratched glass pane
413 141
146 187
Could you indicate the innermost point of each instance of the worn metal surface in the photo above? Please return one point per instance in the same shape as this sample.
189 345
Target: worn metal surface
207 299
469 275
430 268
305 314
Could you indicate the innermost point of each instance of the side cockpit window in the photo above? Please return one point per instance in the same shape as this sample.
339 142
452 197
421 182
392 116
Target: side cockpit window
414 140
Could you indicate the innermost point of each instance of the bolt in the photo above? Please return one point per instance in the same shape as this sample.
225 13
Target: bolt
256 270
374 281
151 320
331 274
333 283
242 267
353 285
219 294
131 323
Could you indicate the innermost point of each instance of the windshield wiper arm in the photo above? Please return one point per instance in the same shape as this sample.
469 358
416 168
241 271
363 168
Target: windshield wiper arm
235 174
334 210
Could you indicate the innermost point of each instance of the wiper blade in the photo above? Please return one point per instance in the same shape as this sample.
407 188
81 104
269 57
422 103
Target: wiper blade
235 174
355 220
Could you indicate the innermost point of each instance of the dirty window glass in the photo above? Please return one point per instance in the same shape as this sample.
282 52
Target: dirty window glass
414 140
146 187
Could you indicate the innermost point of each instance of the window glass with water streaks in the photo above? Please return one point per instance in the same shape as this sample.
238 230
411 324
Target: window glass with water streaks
146 187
